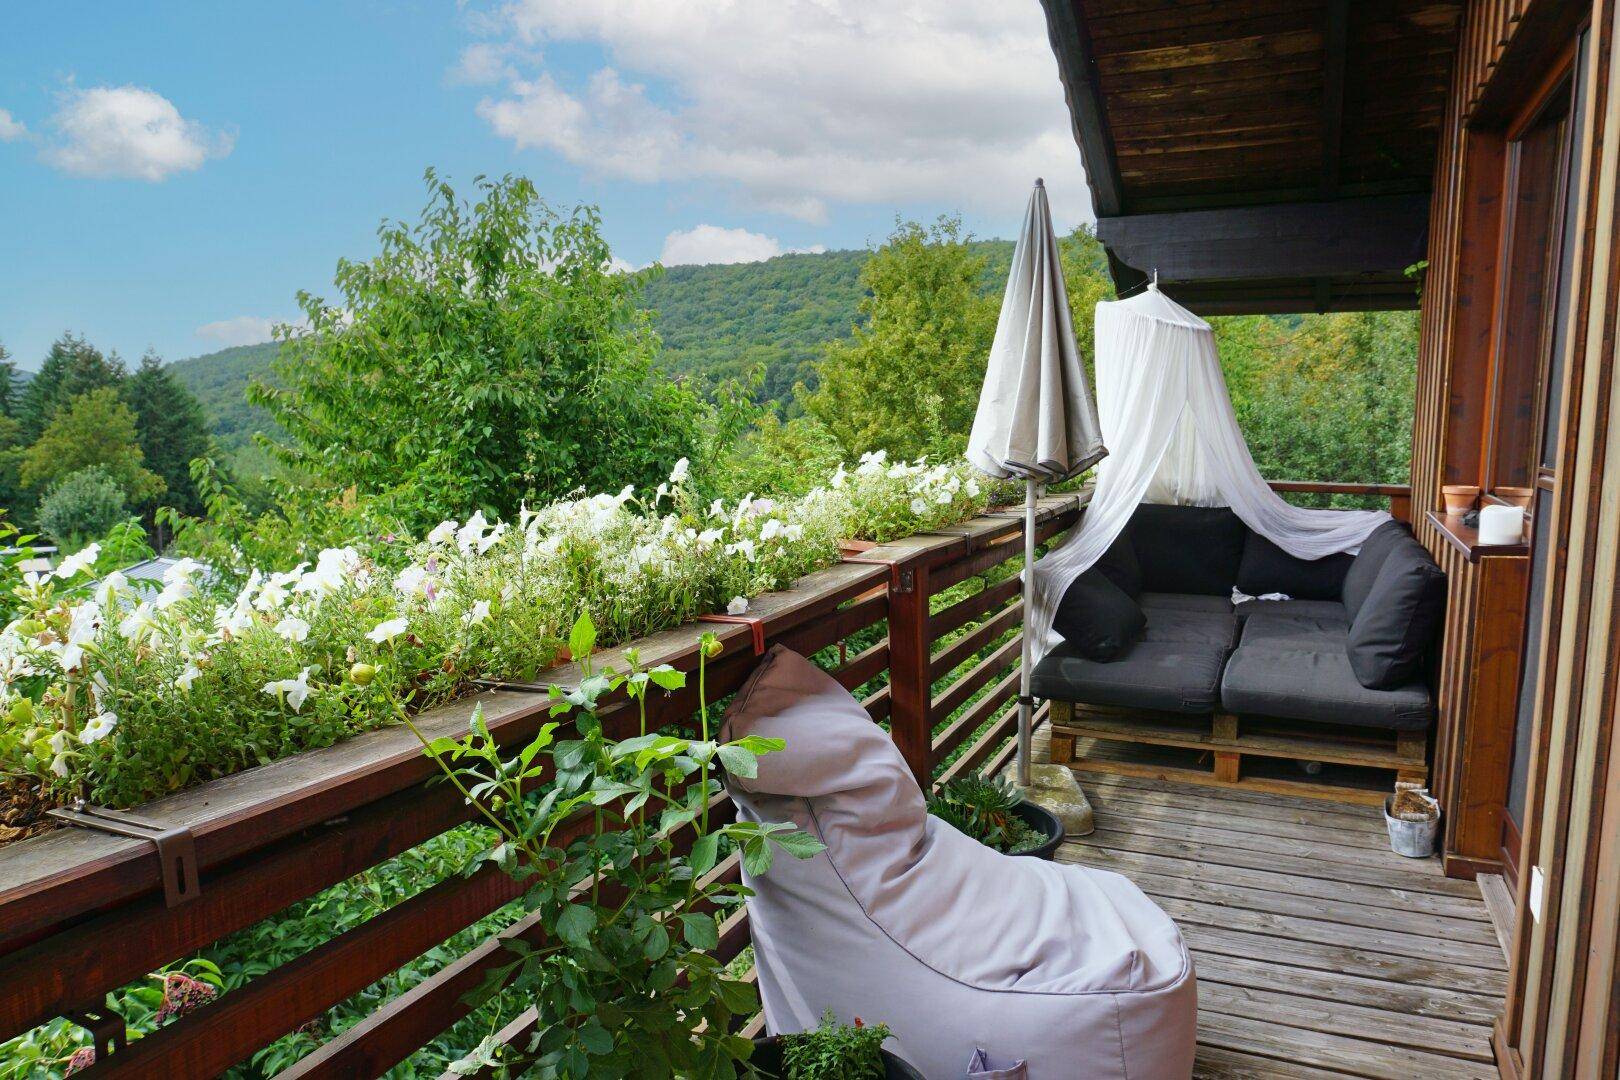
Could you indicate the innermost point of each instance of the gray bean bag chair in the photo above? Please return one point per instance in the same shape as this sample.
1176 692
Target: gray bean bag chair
905 921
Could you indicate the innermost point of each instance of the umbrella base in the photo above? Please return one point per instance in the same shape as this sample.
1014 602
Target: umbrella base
1056 788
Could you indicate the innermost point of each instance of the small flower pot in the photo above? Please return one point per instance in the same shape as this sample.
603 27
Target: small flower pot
1459 497
1413 839
767 1058
1044 822
1516 496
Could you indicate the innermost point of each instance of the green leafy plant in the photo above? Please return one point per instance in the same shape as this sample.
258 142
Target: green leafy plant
82 506
982 807
835 1051
626 983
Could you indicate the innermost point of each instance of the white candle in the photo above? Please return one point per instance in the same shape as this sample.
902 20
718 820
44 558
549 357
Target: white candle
1500 524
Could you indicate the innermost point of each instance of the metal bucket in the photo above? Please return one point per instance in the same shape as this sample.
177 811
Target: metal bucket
1413 839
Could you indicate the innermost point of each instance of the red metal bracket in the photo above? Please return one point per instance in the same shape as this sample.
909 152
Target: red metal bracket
176 847
901 579
754 623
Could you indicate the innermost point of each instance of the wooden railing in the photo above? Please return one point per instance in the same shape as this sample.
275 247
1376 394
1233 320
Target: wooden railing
934 619
1399 496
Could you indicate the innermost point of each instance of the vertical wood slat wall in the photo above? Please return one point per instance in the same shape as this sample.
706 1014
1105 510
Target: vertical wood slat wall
1563 1012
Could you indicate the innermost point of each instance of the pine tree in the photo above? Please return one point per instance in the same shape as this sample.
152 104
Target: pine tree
173 429
10 384
72 367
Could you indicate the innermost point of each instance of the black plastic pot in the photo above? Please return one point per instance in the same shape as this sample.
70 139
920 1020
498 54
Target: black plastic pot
767 1058
1044 822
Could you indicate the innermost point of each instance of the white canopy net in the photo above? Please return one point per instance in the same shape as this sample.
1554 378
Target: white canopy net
1173 438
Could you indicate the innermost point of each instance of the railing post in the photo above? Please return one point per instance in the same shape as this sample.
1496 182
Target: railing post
909 686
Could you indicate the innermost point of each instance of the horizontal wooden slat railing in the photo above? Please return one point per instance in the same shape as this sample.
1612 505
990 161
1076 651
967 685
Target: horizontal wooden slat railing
1398 495
925 628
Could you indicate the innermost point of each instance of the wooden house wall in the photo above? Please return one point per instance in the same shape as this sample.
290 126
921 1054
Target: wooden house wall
1563 1013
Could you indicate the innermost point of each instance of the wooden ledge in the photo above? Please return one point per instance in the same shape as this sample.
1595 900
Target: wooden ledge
1465 538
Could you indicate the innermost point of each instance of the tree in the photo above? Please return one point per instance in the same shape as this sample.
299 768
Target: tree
72 367
95 428
486 356
908 381
173 431
10 384
82 507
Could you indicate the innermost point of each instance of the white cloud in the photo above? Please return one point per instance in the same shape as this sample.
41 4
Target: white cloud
10 128
242 330
129 132
799 104
704 244
483 63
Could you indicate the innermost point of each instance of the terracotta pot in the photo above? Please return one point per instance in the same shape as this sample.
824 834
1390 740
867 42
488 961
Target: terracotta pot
1517 496
1459 497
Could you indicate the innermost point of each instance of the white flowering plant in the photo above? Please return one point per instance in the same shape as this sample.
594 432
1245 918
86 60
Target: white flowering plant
118 693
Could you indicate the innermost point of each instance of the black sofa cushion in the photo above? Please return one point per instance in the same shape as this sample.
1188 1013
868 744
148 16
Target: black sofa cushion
1097 618
1267 568
1358 580
1168 676
1317 684
1192 628
1322 609
1119 564
1188 549
1169 601
1297 629
1391 634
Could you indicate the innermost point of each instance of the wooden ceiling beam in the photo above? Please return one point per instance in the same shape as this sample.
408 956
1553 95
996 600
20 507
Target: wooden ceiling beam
1077 66
1287 241
1335 35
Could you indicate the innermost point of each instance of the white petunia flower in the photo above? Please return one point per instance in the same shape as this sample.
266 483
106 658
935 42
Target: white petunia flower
293 691
188 676
138 623
173 593
678 474
737 606
972 488
488 540
919 507
76 564
443 532
99 727
387 631
772 529
477 613
181 570
292 628
411 580
59 742
110 588
59 765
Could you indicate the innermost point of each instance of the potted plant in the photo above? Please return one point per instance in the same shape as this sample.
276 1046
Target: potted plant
994 812
832 1051
625 982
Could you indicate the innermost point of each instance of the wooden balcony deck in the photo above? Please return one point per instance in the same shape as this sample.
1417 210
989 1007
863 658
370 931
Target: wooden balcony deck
1320 953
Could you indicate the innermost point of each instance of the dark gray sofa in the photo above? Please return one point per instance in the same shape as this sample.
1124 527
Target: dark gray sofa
1153 626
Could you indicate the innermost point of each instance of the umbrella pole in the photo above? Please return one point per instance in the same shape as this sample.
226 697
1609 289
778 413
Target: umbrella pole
1026 703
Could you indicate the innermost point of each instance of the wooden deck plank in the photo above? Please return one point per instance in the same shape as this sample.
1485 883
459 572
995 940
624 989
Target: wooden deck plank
1133 862
1499 905
1320 953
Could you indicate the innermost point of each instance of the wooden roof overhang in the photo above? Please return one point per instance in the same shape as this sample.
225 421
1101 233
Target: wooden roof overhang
1262 155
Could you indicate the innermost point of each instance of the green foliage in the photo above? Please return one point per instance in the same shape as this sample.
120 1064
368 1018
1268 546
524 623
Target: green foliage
219 381
172 429
835 1051
73 367
721 322
628 985
982 807
907 381
779 457
11 384
94 428
536 365
81 507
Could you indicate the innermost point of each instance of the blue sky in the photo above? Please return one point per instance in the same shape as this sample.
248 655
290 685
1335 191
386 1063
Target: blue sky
171 174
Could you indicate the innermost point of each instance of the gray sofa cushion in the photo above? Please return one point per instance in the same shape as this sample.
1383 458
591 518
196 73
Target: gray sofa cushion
1267 568
1119 564
1097 618
1391 634
1358 580
1160 601
1170 676
1316 683
1297 629
1188 549
1192 628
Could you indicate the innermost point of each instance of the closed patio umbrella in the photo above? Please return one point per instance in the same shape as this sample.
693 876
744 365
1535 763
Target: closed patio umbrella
1036 418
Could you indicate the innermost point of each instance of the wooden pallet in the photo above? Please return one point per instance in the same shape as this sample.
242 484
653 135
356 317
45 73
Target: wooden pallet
1224 741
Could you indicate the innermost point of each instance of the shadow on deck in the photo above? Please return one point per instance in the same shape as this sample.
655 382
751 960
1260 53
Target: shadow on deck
1320 952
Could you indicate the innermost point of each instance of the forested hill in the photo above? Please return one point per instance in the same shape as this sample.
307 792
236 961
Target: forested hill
717 322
